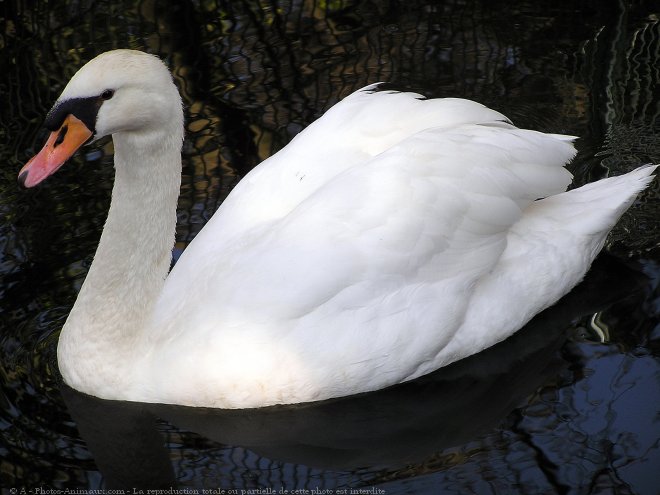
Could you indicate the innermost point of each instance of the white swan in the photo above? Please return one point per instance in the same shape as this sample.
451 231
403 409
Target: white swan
393 236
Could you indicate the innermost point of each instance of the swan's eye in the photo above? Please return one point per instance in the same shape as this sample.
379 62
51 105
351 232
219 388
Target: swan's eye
107 94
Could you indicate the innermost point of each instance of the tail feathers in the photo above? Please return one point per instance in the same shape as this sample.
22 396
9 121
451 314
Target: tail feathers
556 239
594 208
633 182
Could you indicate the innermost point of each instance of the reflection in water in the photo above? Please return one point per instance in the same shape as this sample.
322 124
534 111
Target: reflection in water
391 429
538 413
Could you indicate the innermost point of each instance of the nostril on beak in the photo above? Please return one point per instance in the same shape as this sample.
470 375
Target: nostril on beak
60 136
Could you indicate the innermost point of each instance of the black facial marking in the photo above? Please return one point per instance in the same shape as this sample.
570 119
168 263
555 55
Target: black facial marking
21 179
84 109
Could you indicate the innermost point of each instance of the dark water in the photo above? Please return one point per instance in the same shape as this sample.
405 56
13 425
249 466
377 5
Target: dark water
569 405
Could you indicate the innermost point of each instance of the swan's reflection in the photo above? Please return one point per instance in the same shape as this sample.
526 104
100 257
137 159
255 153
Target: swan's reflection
391 428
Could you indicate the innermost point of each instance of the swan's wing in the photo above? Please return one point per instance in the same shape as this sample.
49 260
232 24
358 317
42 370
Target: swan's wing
429 215
437 207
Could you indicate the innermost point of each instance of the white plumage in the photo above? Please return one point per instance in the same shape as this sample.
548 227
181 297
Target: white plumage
393 236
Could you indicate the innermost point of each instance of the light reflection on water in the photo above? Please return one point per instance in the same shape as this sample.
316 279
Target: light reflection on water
567 414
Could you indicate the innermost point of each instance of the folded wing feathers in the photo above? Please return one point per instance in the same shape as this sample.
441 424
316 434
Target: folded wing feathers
429 195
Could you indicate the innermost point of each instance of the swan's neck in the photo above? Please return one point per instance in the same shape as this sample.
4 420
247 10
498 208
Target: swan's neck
130 264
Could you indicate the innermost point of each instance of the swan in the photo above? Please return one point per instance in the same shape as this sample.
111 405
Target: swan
393 236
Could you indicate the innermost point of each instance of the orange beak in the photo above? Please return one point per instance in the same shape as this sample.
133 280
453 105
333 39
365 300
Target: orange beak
58 149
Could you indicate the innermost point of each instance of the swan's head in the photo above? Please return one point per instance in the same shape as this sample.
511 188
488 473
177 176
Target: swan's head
121 91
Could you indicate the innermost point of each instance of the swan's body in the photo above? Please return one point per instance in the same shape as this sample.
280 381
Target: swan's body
393 236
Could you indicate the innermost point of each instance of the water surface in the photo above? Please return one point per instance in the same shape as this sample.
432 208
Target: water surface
569 405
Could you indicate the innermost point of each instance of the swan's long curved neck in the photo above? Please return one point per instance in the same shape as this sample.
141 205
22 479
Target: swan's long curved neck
131 261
